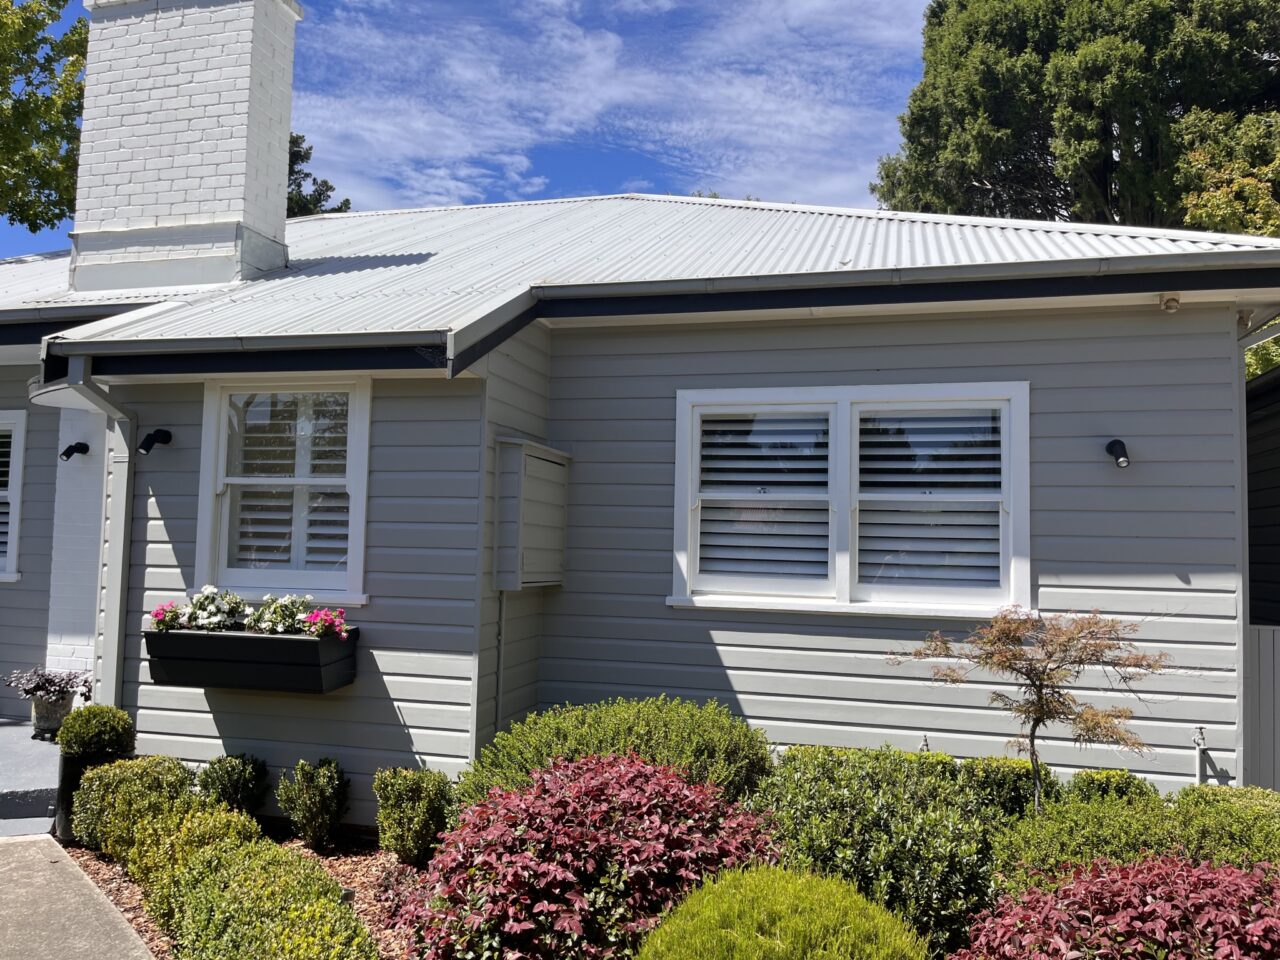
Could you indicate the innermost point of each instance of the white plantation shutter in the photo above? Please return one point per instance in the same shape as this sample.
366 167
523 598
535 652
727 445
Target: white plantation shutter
930 495
6 464
763 507
286 475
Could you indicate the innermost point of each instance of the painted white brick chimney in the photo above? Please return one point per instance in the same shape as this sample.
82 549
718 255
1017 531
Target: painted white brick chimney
184 148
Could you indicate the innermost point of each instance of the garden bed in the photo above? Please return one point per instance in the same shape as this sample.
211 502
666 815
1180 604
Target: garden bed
359 867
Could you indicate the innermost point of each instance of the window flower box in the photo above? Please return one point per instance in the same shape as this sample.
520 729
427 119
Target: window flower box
217 640
239 660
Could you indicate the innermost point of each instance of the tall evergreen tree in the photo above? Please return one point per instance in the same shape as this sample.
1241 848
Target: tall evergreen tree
308 195
1075 109
41 94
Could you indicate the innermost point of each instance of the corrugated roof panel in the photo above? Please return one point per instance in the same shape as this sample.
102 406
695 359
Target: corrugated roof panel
439 269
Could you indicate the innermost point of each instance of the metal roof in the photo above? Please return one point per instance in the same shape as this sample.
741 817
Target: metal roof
439 271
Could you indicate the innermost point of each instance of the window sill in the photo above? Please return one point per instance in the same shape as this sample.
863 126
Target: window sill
10 577
957 611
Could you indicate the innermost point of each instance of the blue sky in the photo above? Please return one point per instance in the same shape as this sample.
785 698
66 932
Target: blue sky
424 102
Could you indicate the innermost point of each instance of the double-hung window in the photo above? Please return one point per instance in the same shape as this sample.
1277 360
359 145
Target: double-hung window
285 504
13 425
883 499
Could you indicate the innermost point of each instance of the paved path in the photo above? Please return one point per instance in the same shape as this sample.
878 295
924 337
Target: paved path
50 909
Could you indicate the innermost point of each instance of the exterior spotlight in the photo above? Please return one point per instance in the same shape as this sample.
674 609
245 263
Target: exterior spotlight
71 451
160 436
1117 451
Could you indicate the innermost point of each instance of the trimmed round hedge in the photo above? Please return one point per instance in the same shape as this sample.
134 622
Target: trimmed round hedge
705 741
97 732
260 900
768 913
116 799
413 810
900 826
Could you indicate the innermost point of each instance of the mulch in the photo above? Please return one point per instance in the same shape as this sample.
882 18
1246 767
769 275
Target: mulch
126 895
357 867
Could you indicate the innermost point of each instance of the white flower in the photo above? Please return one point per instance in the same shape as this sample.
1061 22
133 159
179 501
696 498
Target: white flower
208 590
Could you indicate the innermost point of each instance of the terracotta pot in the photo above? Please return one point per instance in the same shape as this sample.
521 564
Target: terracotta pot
47 716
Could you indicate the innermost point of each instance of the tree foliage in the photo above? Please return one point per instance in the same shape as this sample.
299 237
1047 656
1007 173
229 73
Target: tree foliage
41 95
308 195
1082 109
1045 657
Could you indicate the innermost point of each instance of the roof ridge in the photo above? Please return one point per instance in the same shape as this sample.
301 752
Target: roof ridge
995 223
543 201
1063 226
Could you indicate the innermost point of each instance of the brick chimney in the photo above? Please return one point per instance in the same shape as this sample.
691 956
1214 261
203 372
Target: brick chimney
184 149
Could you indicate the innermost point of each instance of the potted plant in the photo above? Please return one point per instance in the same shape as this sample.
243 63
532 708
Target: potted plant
51 693
91 736
285 644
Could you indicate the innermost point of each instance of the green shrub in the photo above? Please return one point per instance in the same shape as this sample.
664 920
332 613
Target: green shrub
315 801
1239 825
768 913
910 839
413 808
167 843
705 740
1006 784
1120 784
113 800
1074 832
97 732
260 900
239 781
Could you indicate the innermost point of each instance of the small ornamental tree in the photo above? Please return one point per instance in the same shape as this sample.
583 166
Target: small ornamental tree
579 864
1045 656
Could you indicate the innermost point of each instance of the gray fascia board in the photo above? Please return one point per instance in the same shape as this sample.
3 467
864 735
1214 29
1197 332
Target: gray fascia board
398 338
1157 264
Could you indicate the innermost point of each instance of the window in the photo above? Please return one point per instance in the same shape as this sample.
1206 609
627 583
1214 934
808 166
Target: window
286 490
13 426
892 499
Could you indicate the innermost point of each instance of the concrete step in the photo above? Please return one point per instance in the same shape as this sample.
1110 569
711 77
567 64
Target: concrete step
28 773
26 827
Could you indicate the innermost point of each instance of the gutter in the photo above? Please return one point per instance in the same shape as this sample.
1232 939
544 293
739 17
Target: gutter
829 291
78 390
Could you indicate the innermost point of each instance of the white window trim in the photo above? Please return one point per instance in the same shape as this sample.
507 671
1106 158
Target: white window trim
16 422
213 502
842 595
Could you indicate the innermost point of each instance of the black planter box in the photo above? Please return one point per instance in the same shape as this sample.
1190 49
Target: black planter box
236 660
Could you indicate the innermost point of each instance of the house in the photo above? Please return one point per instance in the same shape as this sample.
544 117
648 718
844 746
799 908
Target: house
574 449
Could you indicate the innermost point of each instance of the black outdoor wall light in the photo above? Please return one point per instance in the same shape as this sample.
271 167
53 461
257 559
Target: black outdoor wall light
1119 453
71 451
160 436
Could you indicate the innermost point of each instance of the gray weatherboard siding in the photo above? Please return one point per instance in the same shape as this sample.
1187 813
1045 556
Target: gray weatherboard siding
412 700
24 605
1159 543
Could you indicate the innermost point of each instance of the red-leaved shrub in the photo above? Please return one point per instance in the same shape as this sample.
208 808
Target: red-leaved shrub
578 865
1163 908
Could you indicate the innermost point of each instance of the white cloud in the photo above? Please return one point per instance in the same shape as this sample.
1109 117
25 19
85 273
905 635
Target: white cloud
784 99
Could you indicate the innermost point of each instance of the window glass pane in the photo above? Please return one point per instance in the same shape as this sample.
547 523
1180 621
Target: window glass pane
773 453
931 451
764 539
287 435
929 543
269 522
328 434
